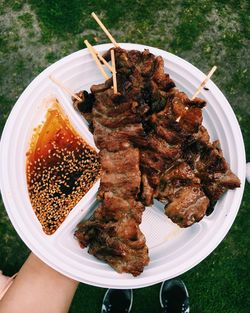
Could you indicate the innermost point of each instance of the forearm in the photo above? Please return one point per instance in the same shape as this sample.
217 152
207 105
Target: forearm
38 288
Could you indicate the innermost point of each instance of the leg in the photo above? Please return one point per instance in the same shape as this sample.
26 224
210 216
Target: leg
117 301
174 297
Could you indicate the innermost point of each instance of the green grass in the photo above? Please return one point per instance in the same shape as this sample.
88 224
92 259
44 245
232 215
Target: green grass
34 34
26 19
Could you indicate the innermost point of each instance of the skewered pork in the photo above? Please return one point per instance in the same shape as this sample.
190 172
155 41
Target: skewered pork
153 145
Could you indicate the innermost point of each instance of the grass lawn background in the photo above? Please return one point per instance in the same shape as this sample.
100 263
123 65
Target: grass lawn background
34 34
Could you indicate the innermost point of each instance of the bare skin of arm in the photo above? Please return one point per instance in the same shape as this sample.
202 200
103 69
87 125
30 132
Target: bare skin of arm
38 288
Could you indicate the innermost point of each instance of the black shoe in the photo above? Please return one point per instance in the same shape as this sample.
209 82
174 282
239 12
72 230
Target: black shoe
174 297
117 301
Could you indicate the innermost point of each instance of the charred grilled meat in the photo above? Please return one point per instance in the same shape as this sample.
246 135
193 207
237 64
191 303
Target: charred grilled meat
113 232
153 145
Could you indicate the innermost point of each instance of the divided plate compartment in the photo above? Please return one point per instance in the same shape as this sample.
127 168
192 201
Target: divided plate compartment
172 250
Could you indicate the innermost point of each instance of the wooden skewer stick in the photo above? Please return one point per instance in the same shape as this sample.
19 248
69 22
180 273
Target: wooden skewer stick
102 59
114 70
178 119
111 38
66 89
203 84
98 63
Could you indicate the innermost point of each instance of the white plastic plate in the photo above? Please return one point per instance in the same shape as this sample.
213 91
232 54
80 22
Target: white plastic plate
172 250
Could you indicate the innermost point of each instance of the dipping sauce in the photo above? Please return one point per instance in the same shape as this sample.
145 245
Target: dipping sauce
61 168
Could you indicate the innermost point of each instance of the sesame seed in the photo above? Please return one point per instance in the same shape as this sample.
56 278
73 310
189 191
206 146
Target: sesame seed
59 176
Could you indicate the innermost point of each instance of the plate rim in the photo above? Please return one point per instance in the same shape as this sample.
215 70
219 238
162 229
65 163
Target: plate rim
141 281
